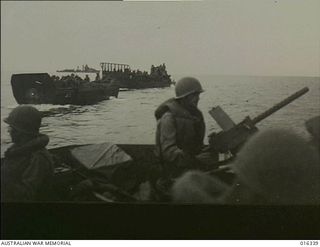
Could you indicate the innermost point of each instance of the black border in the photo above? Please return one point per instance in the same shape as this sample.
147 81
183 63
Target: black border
162 221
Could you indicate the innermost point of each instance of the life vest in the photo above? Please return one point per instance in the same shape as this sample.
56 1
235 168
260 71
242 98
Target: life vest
190 127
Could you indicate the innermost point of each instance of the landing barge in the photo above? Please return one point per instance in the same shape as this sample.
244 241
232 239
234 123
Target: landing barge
127 78
41 88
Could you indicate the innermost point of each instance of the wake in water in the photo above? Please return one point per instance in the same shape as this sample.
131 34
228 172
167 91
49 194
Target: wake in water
59 111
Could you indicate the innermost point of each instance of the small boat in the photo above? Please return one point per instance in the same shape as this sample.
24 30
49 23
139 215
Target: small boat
40 88
122 173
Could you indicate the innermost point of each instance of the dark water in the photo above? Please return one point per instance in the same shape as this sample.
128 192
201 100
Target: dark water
130 119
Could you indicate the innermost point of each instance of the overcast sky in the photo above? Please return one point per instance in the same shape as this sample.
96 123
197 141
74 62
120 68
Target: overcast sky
247 37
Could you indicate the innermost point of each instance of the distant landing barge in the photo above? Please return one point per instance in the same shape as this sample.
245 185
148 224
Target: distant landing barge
124 77
41 88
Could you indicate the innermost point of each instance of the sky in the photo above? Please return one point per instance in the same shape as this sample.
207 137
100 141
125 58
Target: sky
226 37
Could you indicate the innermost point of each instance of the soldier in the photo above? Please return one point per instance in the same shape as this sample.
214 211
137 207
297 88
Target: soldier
98 76
181 129
276 167
27 169
313 127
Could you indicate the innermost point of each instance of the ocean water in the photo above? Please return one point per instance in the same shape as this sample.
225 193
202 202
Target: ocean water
130 117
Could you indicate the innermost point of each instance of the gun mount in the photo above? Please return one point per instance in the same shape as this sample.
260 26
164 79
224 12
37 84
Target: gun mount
234 135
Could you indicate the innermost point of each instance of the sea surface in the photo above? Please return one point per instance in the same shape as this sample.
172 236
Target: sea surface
130 117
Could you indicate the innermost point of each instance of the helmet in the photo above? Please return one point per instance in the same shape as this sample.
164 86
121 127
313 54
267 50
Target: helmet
279 165
187 86
313 126
26 119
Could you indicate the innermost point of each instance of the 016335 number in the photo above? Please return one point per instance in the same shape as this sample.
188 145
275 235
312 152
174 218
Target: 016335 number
311 242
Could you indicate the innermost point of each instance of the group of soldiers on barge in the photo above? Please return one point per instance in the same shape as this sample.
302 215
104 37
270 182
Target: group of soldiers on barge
69 81
275 166
116 72
123 74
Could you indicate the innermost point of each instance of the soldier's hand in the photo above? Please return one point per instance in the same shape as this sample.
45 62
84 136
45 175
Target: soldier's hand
208 159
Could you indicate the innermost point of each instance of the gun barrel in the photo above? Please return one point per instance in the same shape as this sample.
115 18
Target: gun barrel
281 104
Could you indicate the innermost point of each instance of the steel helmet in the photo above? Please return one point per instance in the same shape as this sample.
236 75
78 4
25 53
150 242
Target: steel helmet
26 119
279 165
313 126
187 86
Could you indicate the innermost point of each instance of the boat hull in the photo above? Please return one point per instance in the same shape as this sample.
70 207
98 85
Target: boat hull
136 84
39 88
137 81
121 181
127 177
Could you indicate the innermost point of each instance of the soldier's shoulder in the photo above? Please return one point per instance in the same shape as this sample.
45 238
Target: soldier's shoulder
167 116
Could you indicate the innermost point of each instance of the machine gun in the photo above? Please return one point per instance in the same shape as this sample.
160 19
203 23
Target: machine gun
234 135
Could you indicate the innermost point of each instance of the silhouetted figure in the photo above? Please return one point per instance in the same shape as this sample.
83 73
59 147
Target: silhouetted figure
313 127
27 169
274 167
98 76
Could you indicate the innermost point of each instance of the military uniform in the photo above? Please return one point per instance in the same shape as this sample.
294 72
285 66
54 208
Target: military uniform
179 136
27 171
